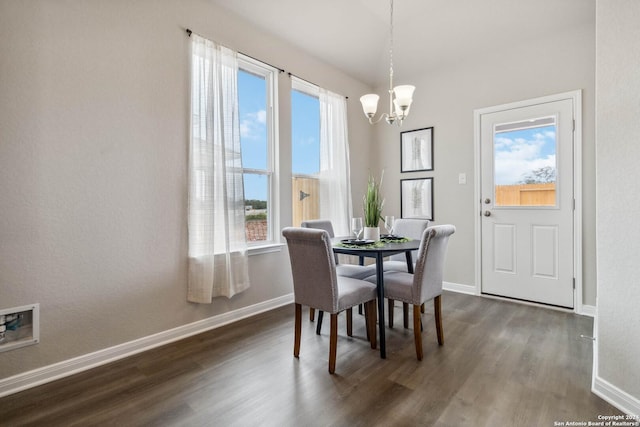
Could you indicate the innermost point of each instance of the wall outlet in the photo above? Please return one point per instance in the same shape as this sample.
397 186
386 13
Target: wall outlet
20 327
462 178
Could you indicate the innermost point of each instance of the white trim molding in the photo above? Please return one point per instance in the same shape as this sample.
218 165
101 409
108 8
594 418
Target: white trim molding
588 310
459 288
603 388
85 362
618 398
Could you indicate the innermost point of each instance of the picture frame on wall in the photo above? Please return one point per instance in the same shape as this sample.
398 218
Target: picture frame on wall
416 150
416 198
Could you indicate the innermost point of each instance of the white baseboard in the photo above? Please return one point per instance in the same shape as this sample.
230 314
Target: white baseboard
618 398
462 289
69 367
607 391
588 310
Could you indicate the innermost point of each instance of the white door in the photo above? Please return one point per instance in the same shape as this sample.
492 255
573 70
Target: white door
527 202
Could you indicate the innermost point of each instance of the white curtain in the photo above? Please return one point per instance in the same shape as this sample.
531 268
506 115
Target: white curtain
335 178
218 264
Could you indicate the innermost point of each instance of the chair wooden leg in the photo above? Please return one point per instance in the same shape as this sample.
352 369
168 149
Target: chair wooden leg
405 315
312 312
333 343
366 321
417 334
298 331
349 322
372 314
437 307
319 324
391 304
360 309
422 308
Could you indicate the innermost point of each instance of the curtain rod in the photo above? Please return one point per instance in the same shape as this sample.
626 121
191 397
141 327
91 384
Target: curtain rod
189 32
307 81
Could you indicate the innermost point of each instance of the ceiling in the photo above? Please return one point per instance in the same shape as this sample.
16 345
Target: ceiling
353 35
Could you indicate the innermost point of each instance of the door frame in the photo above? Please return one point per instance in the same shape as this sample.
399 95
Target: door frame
576 98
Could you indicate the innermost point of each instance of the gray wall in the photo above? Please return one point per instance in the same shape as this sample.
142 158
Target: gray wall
446 99
618 233
94 120
93 158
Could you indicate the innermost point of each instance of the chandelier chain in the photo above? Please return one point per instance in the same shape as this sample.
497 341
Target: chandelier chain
391 42
400 97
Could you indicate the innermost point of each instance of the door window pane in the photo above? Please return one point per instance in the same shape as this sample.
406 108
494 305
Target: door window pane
525 166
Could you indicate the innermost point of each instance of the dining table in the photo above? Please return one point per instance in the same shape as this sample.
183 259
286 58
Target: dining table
378 250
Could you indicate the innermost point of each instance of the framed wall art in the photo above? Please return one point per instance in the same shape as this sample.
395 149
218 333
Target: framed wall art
416 150
416 198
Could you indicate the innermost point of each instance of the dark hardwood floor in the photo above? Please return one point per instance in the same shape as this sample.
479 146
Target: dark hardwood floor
502 364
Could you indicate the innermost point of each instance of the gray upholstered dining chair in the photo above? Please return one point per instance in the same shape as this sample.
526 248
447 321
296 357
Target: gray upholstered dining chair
316 284
345 270
405 227
425 283
413 229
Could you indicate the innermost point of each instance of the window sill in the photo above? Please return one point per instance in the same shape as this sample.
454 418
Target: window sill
265 249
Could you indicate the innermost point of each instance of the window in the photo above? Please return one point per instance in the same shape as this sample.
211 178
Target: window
256 89
525 163
320 156
305 151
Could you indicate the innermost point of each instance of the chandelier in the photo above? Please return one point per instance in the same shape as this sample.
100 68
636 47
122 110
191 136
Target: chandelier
400 97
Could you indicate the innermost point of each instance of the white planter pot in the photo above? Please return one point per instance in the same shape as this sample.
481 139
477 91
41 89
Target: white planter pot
372 233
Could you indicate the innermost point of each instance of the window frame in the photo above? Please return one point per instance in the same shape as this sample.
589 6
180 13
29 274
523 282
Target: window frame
269 73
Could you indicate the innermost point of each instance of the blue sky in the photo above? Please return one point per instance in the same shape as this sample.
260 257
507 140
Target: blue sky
305 133
253 132
252 96
519 152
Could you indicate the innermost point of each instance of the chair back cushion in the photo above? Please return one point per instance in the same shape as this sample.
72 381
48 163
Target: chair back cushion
322 224
411 228
427 279
313 268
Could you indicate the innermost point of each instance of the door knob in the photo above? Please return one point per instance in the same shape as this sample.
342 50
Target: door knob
487 213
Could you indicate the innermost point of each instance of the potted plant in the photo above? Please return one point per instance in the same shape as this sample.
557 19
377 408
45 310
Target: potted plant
372 205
